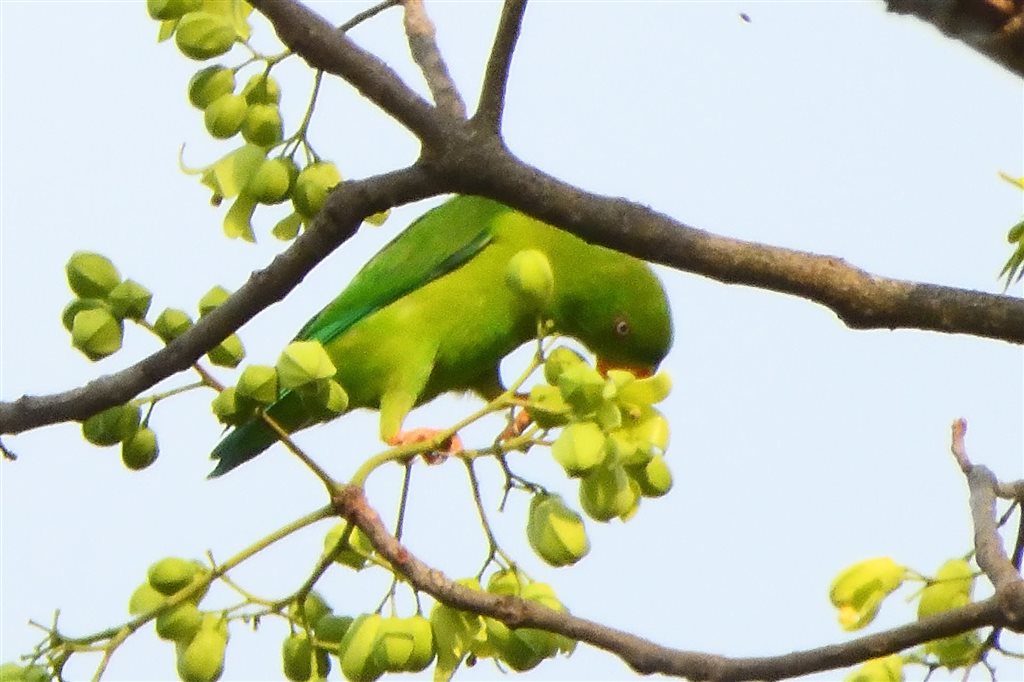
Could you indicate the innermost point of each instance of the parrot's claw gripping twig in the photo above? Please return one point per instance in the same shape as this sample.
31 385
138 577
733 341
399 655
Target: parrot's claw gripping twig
451 446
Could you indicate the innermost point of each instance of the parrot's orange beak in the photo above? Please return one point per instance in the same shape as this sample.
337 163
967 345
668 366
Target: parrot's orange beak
639 371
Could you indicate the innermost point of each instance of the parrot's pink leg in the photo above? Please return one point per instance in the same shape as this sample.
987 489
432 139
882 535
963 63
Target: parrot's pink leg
452 446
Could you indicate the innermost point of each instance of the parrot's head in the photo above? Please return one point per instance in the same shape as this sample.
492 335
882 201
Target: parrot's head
619 311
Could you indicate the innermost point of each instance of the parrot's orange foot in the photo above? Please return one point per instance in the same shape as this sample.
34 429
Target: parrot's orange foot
451 446
519 424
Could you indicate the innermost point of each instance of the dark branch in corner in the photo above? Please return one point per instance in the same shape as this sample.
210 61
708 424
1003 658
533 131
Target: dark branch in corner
343 213
995 28
492 94
642 655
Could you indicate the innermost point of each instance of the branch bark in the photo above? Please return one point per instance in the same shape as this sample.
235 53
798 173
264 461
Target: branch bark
492 93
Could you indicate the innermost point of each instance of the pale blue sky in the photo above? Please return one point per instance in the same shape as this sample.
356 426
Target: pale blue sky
798 445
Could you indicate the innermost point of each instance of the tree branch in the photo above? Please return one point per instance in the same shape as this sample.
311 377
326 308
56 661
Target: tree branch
492 95
640 654
420 32
342 214
995 28
988 544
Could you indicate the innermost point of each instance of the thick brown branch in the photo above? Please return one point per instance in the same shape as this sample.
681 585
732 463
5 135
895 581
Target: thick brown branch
419 31
988 544
641 654
492 94
342 214
860 299
994 28
324 47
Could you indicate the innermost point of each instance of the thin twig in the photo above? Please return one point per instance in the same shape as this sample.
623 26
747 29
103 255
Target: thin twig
492 94
422 37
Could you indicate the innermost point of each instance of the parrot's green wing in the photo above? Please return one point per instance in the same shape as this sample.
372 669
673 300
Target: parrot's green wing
438 242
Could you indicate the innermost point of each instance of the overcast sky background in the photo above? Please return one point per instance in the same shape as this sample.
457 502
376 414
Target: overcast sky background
799 446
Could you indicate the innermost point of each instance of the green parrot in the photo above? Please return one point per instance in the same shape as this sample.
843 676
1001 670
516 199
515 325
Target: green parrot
432 313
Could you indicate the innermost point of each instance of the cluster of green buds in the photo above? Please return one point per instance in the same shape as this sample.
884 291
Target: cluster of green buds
104 301
254 111
951 588
373 645
202 29
859 590
123 424
173 322
200 637
301 656
613 438
303 368
885 669
459 634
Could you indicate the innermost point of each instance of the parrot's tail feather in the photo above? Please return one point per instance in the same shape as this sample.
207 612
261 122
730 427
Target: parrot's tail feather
241 445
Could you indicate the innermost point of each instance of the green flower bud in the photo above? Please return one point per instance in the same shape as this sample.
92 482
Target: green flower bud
355 552
202 659
180 624
141 450
358 659
607 492
654 478
323 399
859 590
224 115
579 448
957 651
111 426
130 300
506 582
259 384
262 125
650 430
67 316
422 644
202 35
145 599
1016 233
887 669
272 183
314 608
297 659
303 362
582 386
91 275
556 533
97 333
529 274
171 574
331 629
646 391
210 84
171 9
547 408
171 324
262 89
558 361
212 298
12 672
228 353
231 408
312 185
951 589
404 644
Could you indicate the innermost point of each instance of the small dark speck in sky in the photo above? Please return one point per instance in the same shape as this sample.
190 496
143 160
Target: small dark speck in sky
745 17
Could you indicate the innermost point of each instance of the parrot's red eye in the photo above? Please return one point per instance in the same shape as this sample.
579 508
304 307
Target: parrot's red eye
621 327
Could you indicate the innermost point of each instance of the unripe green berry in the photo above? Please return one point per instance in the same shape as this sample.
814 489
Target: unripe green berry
547 407
210 84
262 125
67 316
358 659
179 624
97 333
258 383
228 353
304 362
144 599
296 659
91 275
111 426
130 300
529 273
607 492
212 298
331 628
654 479
314 608
323 399
312 185
558 361
355 553
224 115
171 574
141 450
164 10
202 659
556 533
272 183
232 409
262 89
202 35
171 324
580 448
